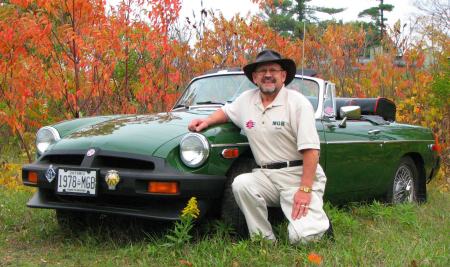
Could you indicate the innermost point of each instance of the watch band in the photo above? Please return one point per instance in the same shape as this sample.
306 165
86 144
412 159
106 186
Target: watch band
305 189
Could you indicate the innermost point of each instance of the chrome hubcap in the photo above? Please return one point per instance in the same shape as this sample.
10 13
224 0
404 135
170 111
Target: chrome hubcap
403 190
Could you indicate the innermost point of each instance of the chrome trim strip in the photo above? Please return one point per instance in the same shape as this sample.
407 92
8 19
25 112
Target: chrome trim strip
340 142
225 72
53 131
408 141
354 142
227 145
378 142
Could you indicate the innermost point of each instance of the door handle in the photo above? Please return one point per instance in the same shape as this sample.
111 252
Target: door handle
374 132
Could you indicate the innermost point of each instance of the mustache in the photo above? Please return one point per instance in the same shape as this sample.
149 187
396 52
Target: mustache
269 79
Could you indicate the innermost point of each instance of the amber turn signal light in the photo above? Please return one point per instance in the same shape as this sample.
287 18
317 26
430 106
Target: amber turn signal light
230 153
33 177
163 187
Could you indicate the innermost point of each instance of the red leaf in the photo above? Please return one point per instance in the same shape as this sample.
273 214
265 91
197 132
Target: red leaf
315 258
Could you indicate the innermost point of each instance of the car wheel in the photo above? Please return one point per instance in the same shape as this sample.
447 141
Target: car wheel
404 186
230 211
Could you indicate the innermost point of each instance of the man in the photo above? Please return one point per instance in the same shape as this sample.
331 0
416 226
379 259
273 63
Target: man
280 126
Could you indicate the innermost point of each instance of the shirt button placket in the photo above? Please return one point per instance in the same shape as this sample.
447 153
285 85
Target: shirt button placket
263 117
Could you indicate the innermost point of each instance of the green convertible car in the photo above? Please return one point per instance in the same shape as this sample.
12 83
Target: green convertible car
150 165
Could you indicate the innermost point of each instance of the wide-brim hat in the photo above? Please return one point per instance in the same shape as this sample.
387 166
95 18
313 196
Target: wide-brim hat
270 56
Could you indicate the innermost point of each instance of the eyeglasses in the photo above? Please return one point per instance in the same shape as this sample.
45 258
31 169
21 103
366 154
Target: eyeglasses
271 71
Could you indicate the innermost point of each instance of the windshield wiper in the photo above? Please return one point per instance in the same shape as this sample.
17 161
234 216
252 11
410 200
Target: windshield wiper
181 106
209 102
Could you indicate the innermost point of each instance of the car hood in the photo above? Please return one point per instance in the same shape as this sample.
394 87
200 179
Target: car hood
142 134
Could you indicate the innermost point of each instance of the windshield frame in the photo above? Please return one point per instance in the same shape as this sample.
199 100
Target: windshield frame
321 83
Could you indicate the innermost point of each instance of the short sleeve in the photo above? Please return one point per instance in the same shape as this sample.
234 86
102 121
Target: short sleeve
307 137
234 111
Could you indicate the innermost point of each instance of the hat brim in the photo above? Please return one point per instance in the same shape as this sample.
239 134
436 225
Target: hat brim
286 64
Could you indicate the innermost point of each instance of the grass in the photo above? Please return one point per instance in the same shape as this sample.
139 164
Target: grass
371 235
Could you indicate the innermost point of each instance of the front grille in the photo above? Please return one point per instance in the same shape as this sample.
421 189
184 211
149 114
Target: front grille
122 163
74 160
99 161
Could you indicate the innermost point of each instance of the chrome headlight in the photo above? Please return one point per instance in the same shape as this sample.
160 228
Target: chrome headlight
45 137
194 149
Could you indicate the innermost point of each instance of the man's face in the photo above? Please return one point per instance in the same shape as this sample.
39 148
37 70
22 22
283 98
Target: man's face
269 77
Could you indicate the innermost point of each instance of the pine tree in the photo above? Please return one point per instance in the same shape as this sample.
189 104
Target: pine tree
376 13
287 17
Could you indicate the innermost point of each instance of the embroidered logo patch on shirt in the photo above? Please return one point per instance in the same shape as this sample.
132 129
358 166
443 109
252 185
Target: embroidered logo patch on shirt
250 124
278 123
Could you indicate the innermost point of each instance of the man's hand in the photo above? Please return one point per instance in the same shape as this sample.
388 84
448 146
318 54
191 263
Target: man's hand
302 199
197 125
301 204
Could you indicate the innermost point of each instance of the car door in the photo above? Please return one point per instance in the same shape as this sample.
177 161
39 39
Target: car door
353 158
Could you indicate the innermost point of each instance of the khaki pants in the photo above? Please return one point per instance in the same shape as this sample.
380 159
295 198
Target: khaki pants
263 188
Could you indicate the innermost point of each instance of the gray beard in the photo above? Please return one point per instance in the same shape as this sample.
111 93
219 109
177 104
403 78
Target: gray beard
268 91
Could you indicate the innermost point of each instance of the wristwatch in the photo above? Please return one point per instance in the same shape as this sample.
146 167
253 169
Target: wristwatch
305 189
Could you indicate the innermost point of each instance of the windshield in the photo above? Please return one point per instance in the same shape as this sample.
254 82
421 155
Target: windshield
225 88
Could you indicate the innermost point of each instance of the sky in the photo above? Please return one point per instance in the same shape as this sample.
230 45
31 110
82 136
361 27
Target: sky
403 9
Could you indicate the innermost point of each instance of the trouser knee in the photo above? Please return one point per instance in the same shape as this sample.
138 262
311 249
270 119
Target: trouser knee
297 238
241 184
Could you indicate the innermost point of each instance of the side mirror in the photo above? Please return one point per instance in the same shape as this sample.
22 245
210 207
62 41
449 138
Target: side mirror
349 112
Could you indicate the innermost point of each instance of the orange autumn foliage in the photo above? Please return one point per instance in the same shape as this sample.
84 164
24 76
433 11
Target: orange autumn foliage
21 74
63 59
232 43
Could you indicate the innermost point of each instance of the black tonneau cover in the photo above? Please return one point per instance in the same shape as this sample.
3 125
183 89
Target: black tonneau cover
370 106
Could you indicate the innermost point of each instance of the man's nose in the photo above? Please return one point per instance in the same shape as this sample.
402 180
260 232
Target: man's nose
268 73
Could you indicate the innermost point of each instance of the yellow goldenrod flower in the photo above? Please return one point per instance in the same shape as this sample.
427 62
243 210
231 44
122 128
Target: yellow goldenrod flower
10 177
191 209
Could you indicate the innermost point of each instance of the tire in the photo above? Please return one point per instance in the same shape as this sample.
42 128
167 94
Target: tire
405 183
230 211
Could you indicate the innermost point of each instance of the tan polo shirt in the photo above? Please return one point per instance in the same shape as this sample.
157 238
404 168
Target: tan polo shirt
279 131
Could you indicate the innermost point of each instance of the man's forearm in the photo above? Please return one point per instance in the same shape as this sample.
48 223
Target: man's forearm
310 161
217 117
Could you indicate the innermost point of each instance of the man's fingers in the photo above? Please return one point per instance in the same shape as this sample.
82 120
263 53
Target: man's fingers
194 126
299 210
295 211
199 127
303 211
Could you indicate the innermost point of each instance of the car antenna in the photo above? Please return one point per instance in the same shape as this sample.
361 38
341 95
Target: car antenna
303 48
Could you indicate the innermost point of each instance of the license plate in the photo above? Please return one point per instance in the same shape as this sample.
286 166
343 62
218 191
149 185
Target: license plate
77 182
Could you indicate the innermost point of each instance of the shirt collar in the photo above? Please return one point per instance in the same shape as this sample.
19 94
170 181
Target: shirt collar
278 101
280 98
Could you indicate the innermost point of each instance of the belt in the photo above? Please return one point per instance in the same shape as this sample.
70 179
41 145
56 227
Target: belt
284 164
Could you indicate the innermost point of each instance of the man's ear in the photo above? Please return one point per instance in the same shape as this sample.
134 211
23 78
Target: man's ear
253 77
283 76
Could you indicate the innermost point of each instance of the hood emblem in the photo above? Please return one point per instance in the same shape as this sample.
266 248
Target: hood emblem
112 178
90 152
50 174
